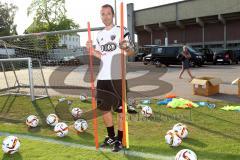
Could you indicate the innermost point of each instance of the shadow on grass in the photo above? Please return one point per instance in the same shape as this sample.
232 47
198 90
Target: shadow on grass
34 130
7 120
15 156
38 109
217 118
8 103
195 142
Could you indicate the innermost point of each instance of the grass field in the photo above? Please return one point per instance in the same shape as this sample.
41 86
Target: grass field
213 133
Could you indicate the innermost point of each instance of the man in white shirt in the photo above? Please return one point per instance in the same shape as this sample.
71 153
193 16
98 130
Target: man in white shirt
109 80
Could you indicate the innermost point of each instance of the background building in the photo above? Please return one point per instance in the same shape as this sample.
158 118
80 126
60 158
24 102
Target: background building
70 41
200 23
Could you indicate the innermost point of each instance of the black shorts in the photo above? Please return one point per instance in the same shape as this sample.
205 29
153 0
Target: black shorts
186 64
109 95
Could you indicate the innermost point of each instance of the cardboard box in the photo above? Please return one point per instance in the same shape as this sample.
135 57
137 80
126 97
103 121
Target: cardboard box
206 86
237 81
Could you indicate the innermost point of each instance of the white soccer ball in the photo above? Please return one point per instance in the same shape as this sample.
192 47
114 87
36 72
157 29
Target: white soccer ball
10 145
181 130
173 139
76 112
146 111
62 99
81 125
61 129
32 121
52 119
83 97
186 154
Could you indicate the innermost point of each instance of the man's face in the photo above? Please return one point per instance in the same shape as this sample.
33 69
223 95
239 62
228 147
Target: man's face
107 16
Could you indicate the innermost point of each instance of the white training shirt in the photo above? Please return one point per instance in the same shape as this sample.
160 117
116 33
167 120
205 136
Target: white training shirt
108 46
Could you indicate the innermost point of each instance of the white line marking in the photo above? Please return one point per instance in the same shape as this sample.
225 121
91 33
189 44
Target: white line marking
75 145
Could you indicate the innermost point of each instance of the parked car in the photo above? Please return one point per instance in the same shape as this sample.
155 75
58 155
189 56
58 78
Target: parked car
139 56
208 53
168 55
237 52
225 56
147 59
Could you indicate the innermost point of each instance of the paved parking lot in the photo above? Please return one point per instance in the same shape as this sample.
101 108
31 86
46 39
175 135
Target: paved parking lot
143 81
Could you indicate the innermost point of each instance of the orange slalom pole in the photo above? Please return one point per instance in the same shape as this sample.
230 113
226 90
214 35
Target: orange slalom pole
123 67
94 108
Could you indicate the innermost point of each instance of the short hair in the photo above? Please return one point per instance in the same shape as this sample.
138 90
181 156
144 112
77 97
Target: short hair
108 6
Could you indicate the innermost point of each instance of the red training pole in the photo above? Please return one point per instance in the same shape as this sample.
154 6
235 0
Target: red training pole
94 108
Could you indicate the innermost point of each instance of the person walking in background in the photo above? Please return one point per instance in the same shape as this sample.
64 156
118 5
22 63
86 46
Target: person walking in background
185 57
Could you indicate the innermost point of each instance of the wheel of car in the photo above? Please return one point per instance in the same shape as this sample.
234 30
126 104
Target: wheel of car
158 64
237 61
145 63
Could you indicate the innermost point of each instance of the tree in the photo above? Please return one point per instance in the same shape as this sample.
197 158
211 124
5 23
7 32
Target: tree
7 26
49 15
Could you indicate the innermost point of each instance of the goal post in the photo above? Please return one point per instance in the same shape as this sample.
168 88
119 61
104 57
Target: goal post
17 77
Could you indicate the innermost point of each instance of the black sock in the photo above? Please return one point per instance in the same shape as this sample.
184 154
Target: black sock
111 132
120 135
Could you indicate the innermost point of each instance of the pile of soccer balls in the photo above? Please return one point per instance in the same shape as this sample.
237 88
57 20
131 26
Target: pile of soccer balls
174 138
11 144
176 134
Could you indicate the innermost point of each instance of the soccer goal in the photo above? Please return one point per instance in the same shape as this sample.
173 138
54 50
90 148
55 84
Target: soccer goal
22 76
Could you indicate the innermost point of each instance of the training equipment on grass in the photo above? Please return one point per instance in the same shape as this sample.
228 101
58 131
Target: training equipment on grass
61 129
186 154
181 130
146 101
22 76
170 95
32 121
52 119
231 108
181 103
164 102
76 112
146 111
173 139
123 76
61 99
83 98
10 145
81 125
95 124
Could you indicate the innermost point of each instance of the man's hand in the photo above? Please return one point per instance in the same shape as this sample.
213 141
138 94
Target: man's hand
89 44
125 45
95 53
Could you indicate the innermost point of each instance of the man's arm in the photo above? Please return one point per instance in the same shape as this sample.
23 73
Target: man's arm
127 44
96 53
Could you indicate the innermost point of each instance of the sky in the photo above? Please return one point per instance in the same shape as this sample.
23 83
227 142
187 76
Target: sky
81 11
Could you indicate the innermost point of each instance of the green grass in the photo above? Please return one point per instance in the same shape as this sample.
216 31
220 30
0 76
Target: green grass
36 150
213 133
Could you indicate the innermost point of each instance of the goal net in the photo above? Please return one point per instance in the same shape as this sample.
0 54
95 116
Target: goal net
20 76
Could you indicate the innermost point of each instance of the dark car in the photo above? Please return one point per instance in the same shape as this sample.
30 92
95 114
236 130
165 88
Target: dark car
237 52
139 56
225 56
147 59
167 55
208 54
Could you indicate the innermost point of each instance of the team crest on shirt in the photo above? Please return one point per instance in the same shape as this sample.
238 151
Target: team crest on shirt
113 37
